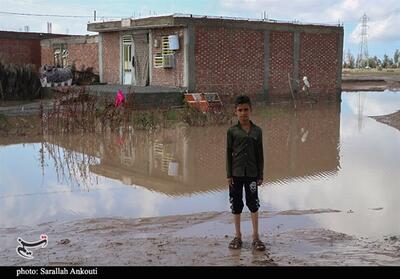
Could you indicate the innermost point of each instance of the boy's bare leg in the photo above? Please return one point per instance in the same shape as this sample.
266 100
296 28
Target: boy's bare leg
236 243
257 243
254 221
236 219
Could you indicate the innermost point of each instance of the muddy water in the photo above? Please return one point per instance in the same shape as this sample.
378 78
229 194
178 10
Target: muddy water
317 157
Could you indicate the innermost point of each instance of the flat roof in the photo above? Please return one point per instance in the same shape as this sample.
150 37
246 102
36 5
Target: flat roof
76 39
29 35
183 20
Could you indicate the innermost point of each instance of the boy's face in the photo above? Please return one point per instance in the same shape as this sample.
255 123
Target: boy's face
243 111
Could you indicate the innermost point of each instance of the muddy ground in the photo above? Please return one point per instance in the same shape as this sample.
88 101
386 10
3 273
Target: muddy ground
195 240
370 81
392 119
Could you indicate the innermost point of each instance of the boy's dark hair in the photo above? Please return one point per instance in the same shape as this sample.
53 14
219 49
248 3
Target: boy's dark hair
242 99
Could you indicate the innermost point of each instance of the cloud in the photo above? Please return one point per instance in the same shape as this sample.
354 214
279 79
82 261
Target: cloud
314 10
39 23
106 10
304 10
384 17
385 29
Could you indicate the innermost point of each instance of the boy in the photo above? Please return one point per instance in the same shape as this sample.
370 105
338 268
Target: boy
244 166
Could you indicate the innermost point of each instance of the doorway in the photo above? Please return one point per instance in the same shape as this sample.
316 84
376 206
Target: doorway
128 61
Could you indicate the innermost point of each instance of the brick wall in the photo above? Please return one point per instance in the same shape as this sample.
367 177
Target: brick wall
168 77
20 51
47 56
319 62
281 63
84 55
111 58
229 61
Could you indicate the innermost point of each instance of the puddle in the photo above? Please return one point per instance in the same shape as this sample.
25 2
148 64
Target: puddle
326 156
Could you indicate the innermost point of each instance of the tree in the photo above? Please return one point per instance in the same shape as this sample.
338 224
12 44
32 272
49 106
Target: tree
350 60
378 62
396 58
373 62
387 62
344 61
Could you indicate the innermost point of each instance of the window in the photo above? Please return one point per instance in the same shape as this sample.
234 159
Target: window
165 58
158 60
165 46
60 52
127 52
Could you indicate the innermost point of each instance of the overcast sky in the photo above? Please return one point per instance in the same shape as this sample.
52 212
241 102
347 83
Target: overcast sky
383 24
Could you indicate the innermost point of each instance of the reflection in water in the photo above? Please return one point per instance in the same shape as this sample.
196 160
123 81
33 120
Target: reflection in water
316 157
71 166
186 160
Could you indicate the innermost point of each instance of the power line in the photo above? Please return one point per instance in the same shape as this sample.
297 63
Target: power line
26 14
52 15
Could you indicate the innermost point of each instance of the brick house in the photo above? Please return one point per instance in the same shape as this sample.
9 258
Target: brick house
265 59
82 51
22 47
52 49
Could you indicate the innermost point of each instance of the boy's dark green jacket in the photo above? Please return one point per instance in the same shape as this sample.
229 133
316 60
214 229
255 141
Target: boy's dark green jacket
244 152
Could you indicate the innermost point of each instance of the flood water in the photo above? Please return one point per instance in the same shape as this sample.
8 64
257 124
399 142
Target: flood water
330 156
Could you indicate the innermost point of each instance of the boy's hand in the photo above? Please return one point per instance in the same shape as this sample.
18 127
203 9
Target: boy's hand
259 182
230 181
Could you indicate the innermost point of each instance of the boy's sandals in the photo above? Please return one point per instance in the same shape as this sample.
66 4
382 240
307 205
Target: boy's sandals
236 243
258 245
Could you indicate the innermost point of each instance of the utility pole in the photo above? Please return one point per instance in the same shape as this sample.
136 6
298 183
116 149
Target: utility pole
363 50
264 15
49 27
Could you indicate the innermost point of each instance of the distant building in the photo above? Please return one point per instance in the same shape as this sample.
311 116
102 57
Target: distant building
81 51
22 47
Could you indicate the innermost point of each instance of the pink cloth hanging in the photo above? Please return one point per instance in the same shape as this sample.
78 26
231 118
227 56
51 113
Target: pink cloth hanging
119 99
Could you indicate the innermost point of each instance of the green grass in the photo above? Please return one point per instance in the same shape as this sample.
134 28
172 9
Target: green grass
172 114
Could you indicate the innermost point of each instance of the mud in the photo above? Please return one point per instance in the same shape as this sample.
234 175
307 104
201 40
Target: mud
370 81
170 241
392 119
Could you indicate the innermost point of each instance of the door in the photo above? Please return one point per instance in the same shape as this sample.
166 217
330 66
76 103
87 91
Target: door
128 60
